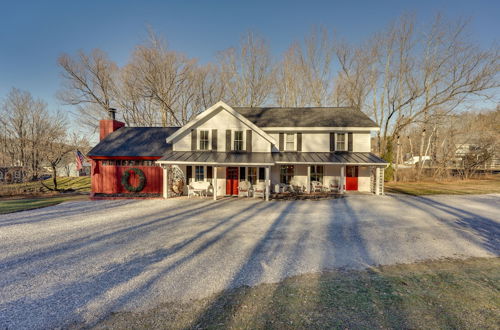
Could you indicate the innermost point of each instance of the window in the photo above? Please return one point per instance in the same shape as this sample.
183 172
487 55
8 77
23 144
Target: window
317 173
203 140
238 141
290 142
199 173
252 175
340 142
286 173
242 174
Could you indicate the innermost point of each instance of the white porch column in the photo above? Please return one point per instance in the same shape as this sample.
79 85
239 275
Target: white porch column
268 183
377 180
215 182
342 179
165 181
308 179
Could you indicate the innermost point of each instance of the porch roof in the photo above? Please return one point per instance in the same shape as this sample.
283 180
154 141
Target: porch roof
334 158
217 158
269 159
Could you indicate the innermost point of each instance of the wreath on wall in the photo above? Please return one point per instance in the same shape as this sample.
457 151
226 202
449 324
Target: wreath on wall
126 176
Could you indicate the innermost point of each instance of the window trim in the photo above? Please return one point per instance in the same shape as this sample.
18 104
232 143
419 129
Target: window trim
287 174
233 140
285 142
202 167
254 175
316 174
337 141
209 145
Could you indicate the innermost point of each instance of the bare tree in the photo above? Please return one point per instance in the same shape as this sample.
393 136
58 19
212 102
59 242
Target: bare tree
89 84
417 74
247 72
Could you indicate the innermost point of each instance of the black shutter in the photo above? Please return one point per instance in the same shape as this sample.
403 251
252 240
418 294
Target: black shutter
214 140
282 140
193 140
242 174
228 140
349 141
210 172
262 173
249 141
189 173
299 141
332 142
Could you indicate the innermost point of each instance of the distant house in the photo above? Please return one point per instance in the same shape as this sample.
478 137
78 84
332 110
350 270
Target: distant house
229 148
12 174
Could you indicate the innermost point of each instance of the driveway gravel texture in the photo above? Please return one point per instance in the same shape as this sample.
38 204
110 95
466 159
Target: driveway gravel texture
78 261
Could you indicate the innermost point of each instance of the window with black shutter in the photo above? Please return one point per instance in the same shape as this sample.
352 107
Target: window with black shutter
242 174
228 140
249 141
281 141
349 141
189 174
299 141
214 140
262 173
193 140
332 142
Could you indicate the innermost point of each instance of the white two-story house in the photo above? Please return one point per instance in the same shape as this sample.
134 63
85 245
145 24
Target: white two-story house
277 147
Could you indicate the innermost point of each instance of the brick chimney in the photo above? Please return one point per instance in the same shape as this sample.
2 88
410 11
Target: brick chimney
108 126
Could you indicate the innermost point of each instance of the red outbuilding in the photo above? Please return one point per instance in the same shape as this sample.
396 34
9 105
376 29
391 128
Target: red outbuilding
123 163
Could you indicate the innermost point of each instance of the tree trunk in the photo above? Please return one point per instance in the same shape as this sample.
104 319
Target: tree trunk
54 177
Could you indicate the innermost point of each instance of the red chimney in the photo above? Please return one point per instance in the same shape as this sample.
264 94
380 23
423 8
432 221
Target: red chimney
108 126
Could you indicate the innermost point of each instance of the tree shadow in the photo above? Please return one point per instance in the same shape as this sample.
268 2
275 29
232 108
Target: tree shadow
113 282
482 231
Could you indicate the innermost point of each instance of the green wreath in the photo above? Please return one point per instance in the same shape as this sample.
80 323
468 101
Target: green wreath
128 186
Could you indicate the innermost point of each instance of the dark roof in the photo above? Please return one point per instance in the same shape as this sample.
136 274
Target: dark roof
213 157
341 157
134 142
267 158
306 117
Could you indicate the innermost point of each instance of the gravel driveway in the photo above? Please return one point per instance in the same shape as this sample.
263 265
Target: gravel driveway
78 261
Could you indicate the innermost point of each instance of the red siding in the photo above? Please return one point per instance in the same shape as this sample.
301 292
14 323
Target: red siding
107 179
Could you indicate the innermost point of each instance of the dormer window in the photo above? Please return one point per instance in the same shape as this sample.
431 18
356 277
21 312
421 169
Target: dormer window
290 142
204 140
238 141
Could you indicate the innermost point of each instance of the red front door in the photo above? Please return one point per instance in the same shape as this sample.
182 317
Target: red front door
231 181
351 178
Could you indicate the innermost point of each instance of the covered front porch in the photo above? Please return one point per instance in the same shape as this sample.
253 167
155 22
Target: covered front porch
264 175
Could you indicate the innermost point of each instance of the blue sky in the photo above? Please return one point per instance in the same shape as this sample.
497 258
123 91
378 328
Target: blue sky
34 33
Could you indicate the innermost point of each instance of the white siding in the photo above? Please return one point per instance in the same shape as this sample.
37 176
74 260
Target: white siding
222 121
361 142
316 142
364 178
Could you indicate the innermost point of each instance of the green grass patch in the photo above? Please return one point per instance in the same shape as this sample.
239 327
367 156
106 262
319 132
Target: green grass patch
78 184
23 204
487 185
447 294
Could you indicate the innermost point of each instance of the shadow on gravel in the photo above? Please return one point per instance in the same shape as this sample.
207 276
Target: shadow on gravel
95 242
99 290
483 231
249 272
60 210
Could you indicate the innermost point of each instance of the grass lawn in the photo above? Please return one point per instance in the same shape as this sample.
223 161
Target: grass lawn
9 205
31 195
439 294
487 185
